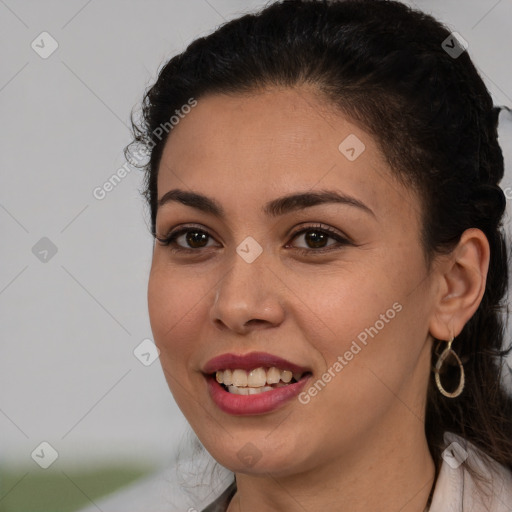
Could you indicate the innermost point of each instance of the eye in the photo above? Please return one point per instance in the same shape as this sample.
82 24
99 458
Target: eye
195 238
317 236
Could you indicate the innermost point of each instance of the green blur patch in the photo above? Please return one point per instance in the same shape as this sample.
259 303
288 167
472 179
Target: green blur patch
52 490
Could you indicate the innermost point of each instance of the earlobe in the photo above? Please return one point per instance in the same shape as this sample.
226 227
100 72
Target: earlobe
463 277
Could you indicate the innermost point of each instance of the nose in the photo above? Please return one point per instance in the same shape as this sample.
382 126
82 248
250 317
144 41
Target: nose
247 297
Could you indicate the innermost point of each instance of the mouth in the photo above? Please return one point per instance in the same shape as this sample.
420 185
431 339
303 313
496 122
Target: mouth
255 383
259 380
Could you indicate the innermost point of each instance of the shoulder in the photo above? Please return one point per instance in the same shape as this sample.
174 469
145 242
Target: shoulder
457 490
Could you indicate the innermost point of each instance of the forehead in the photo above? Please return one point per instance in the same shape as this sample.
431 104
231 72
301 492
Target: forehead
271 143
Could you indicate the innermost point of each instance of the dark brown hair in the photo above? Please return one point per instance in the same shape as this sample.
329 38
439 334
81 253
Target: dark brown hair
383 65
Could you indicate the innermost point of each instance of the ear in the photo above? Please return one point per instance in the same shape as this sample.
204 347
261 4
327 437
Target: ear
462 278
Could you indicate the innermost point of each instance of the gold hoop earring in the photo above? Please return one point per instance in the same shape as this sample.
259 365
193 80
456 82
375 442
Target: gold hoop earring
446 352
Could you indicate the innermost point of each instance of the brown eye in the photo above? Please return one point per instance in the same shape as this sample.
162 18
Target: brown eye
316 238
196 238
193 239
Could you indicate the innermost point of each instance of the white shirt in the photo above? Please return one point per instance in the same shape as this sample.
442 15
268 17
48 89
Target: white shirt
455 490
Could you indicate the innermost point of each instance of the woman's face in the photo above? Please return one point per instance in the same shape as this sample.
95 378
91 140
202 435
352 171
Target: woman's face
350 309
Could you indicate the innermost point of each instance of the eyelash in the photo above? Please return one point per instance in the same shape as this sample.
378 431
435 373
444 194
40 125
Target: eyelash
170 240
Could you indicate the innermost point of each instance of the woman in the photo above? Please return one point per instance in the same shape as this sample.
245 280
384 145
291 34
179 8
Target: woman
329 262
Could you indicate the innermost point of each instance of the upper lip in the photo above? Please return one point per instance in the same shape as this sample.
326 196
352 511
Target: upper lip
250 362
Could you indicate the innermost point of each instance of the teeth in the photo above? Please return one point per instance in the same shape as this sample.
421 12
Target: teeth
239 378
233 389
273 376
227 377
255 379
286 376
248 391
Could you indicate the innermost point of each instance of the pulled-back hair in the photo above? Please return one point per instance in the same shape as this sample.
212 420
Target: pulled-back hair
383 65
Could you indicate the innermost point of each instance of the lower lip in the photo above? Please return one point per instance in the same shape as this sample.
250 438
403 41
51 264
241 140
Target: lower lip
259 403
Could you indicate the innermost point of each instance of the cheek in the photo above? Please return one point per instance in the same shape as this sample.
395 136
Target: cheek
173 304
370 319
341 306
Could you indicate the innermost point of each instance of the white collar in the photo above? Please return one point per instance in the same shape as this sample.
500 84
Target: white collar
456 490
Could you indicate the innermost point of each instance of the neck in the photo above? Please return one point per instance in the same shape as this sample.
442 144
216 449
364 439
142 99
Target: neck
390 473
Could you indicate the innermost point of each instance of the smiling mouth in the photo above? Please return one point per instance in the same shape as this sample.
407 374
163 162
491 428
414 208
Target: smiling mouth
258 380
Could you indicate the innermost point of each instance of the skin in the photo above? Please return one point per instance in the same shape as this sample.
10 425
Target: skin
359 444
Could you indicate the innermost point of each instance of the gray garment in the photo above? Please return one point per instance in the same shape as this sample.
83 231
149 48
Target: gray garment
222 502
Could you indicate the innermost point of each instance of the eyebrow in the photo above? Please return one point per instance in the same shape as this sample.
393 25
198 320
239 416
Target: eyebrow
276 207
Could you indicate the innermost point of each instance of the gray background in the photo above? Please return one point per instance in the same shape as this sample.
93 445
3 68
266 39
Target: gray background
69 325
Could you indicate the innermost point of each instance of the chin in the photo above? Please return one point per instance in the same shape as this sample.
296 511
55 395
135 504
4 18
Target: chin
258 457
